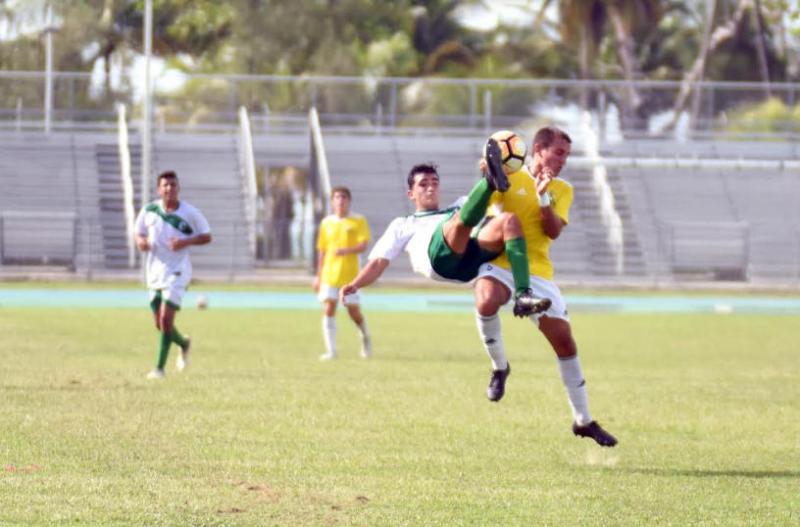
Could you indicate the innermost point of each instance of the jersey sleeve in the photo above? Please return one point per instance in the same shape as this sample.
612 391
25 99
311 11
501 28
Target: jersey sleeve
391 243
201 225
140 227
563 202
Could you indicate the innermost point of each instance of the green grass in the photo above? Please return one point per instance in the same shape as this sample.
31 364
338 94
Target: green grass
259 432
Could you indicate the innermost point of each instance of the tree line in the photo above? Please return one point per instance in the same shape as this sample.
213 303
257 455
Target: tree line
678 40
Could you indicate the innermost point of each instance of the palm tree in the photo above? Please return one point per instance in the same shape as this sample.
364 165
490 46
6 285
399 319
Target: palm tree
585 26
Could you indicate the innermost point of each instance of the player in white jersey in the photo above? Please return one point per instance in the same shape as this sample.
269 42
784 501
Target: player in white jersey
440 243
165 229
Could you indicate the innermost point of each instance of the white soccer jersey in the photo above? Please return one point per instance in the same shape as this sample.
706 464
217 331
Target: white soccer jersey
413 233
165 266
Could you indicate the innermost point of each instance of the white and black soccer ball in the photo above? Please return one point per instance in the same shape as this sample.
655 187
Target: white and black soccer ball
201 302
512 150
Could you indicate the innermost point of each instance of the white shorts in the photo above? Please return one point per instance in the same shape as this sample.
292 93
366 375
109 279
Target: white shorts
173 294
541 288
329 292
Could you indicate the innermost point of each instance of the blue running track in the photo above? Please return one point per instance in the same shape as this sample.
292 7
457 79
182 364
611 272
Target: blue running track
418 301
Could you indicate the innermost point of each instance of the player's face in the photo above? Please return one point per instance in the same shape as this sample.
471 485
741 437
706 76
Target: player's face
340 204
168 189
425 191
553 157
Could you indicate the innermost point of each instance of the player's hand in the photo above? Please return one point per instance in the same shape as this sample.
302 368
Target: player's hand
315 284
143 244
483 166
176 244
340 252
543 179
347 290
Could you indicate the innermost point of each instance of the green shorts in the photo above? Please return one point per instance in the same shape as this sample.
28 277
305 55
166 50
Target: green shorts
461 267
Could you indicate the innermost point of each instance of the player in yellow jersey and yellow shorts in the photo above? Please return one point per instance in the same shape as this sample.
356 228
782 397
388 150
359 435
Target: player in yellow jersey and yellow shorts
343 236
541 200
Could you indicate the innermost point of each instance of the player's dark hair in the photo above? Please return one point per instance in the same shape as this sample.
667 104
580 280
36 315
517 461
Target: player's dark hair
422 168
547 135
343 190
169 174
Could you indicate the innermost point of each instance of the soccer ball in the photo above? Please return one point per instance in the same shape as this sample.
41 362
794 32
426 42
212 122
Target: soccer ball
202 301
512 149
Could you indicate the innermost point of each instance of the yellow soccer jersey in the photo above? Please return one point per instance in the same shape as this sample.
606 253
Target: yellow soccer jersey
521 199
341 233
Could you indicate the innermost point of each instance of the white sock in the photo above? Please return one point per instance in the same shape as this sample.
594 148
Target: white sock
366 344
572 377
489 331
329 334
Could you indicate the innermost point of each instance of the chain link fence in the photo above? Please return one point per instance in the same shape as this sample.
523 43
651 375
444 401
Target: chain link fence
210 103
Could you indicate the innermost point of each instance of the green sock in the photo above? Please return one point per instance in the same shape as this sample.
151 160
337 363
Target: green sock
163 351
178 337
517 253
474 208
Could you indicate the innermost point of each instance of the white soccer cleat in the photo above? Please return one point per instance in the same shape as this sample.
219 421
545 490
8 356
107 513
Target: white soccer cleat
156 374
327 356
366 347
182 360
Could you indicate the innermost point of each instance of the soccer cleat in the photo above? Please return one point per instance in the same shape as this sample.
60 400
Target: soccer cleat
497 384
366 347
526 304
327 356
157 373
495 174
182 360
596 432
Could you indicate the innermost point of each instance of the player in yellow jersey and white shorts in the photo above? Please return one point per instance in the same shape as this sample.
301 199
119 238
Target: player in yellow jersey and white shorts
343 236
541 200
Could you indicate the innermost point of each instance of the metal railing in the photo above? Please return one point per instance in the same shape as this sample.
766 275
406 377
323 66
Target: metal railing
247 168
126 182
375 105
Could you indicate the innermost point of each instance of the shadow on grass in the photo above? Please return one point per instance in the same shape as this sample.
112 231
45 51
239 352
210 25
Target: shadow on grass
700 473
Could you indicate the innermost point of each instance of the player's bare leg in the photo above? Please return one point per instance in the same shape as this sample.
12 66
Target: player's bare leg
504 232
559 333
358 319
501 233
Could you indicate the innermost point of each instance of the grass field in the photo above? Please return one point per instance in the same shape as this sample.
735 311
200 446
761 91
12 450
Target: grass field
259 432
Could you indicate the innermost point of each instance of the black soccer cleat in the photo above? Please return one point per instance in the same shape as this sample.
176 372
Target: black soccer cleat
495 174
525 304
497 384
596 432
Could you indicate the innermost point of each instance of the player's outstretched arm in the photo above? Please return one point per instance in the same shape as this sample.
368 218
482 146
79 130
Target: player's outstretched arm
371 272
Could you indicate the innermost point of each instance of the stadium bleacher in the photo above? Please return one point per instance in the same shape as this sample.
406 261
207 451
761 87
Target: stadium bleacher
746 219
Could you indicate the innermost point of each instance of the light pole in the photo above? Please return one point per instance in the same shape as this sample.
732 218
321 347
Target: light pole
48 75
146 117
146 121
